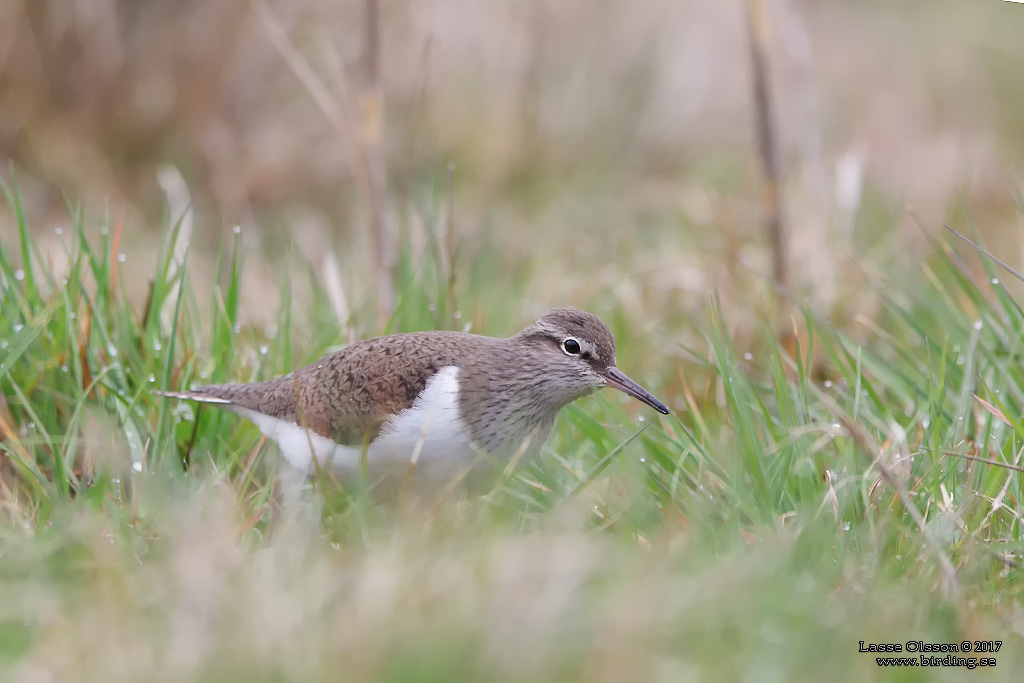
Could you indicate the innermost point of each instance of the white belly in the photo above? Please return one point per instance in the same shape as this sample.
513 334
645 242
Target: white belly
428 441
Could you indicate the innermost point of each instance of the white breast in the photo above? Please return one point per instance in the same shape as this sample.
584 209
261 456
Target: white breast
430 435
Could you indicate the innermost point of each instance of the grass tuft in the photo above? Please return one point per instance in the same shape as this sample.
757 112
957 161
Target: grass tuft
861 483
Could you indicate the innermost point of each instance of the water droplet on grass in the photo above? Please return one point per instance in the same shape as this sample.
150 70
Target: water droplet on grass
157 346
137 466
19 274
112 350
104 230
237 328
264 349
121 258
18 327
237 229
748 356
59 230
995 281
977 324
152 378
63 368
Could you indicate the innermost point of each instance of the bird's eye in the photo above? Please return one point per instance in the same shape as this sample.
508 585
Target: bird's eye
571 347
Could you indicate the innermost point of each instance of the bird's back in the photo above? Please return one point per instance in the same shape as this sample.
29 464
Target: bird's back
347 396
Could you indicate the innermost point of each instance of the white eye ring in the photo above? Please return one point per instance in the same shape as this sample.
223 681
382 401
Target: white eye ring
567 347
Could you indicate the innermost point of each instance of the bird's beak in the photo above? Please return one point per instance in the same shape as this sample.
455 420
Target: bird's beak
617 379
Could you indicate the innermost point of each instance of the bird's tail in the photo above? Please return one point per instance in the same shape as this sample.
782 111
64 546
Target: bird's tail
198 395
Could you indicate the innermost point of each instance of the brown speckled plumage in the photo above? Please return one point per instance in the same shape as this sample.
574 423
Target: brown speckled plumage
348 394
509 389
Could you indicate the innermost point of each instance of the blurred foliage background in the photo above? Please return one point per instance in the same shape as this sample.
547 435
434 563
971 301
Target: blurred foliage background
610 136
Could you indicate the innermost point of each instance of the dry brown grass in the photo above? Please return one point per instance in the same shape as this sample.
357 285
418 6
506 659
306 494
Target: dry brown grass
96 96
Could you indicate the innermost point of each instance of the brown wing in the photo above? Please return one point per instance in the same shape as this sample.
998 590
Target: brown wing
348 395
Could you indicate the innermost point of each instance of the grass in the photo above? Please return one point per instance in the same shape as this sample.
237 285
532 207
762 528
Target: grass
801 498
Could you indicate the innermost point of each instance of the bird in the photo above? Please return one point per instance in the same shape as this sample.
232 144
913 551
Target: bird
437 409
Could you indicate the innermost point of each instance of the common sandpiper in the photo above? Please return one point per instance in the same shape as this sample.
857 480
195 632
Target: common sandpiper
434 407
